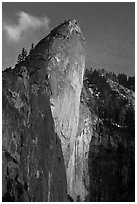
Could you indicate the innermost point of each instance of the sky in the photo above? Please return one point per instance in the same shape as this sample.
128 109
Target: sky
108 28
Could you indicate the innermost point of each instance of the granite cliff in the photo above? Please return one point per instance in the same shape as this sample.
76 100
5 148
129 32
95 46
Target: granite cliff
59 141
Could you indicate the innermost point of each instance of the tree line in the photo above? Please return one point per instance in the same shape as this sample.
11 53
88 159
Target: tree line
106 102
121 78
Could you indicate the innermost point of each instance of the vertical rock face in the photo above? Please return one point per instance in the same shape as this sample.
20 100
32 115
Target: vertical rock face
70 62
64 60
33 164
41 98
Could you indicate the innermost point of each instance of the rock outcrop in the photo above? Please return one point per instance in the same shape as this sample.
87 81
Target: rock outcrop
33 163
41 98
64 140
64 61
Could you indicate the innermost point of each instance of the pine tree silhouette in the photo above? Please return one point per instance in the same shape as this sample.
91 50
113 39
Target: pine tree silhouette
22 56
19 58
32 48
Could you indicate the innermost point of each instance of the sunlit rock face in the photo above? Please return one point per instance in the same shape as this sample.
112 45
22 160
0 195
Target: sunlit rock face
69 62
64 59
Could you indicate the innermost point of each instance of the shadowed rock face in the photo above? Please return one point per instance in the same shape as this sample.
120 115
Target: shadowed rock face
33 164
108 151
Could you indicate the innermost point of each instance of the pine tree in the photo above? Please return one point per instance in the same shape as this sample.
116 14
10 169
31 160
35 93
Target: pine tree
23 54
19 58
32 48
